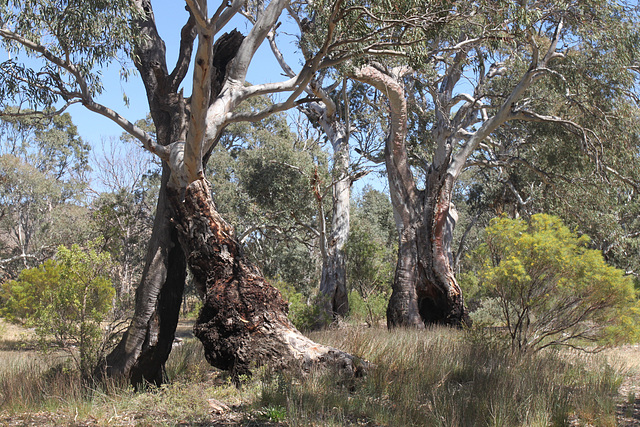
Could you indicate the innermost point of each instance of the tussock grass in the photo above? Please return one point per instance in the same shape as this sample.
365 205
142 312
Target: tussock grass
439 377
442 378
28 379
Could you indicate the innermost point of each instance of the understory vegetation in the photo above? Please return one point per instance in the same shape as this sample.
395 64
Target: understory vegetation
420 164
441 377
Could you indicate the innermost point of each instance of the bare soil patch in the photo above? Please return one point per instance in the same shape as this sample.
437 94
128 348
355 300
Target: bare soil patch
14 337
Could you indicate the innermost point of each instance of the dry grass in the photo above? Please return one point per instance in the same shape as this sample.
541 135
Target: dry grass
440 377
13 337
627 359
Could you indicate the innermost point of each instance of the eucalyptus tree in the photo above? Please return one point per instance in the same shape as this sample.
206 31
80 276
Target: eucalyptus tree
386 31
243 319
263 176
324 112
546 63
43 163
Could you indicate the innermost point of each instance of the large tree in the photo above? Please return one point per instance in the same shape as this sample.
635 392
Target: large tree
244 318
533 62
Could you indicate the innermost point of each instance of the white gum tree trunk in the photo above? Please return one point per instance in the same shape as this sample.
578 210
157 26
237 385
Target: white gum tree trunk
333 283
424 289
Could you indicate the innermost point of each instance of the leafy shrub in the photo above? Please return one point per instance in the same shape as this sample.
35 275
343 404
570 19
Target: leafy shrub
548 288
65 299
371 308
304 316
371 257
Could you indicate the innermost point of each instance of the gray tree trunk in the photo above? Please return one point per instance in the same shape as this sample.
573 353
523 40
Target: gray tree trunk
145 347
425 290
333 282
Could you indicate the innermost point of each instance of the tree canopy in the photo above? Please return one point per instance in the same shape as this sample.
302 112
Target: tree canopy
499 106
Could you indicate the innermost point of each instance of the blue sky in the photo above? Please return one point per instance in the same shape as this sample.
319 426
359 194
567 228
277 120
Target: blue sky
170 17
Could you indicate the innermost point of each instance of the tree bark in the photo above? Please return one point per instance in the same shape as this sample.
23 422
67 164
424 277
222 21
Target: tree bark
243 322
425 290
333 282
145 347
440 298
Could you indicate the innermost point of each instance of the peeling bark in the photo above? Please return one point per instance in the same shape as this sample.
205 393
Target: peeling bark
440 297
425 290
145 347
243 322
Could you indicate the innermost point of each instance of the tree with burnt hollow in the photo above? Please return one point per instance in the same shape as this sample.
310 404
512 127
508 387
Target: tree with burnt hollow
542 64
242 313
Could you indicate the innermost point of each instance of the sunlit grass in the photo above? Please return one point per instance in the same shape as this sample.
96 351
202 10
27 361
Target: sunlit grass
438 377
441 378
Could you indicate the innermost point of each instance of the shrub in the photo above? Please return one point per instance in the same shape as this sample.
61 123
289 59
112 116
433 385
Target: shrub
370 265
551 289
371 308
65 299
304 316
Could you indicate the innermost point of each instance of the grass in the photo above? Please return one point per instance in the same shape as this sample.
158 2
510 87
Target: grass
440 377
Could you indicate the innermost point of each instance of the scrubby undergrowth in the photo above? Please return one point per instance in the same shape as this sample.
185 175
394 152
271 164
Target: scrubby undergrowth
438 377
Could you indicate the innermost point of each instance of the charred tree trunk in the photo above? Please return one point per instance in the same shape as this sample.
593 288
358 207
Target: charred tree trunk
145 347
425 290
244 321
440 298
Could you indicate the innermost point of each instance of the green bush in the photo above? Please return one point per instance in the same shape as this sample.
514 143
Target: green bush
65 299
370 309
304 316
371 258
547 288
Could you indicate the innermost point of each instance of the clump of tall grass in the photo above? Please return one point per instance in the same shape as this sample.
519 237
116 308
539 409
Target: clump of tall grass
441 377
33 380
51 390
187 362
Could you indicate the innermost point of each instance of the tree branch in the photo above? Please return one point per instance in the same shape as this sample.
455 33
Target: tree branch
187 37
85 97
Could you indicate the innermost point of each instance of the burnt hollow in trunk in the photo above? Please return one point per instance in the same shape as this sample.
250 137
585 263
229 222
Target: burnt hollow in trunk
425 290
